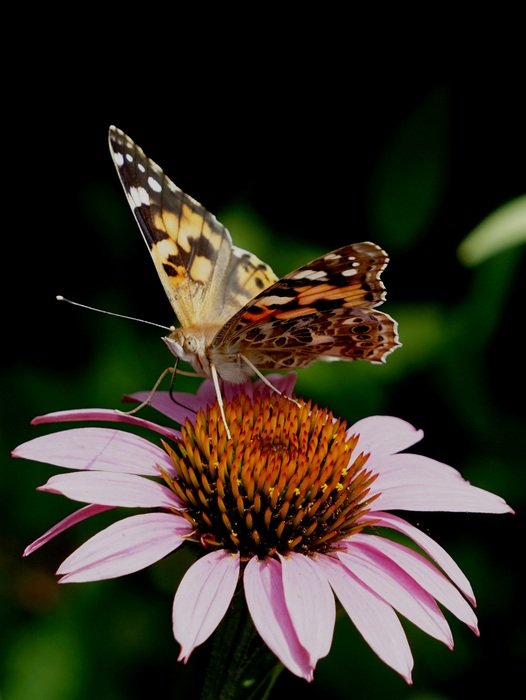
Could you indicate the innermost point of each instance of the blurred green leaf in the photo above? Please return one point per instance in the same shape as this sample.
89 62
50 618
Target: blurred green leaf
44 662
410 178
483 308
344 387
421 330
463 373
502 229
247 228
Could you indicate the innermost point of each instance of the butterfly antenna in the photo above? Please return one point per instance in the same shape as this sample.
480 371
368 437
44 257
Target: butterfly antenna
59 297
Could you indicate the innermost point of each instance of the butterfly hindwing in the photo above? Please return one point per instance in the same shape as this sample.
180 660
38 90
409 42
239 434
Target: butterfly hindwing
323 310
206 278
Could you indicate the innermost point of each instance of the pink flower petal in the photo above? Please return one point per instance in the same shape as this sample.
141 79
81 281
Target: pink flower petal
384 435
391 583
310 603
124 547
105 414
101 449
435 551
77 517
207 394
374 619
181 407
109 489
202 599
401 466
284 382
413 482
424 573
268 608
185 406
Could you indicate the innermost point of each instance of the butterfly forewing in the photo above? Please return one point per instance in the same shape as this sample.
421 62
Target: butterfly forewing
206 278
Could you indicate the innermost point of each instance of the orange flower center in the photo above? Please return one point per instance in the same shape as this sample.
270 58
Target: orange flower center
286 481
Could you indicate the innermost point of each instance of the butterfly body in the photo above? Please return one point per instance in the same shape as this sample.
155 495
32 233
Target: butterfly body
193 345
236 317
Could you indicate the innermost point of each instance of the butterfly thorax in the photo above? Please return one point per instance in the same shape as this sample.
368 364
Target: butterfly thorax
195 346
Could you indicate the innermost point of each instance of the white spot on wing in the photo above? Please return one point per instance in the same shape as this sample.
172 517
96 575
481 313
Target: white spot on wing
349 273
156 187
139 196
129 158
119 159
310 275
143 194
141 167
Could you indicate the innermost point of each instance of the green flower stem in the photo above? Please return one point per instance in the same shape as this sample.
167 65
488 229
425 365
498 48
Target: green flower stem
241 666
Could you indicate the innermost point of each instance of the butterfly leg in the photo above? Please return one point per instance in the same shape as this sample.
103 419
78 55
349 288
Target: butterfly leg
215 380
267 382
136 409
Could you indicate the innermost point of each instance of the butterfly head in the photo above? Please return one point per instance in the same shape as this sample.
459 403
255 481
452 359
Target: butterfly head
191 348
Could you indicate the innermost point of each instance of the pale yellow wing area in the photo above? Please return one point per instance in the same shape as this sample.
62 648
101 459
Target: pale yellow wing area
206 278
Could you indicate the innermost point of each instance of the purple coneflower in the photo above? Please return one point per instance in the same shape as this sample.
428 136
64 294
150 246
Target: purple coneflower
293 509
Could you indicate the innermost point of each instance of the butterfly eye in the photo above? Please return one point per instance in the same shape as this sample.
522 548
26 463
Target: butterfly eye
190 344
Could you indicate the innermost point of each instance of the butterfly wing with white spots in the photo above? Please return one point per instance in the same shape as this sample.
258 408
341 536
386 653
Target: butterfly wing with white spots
206 278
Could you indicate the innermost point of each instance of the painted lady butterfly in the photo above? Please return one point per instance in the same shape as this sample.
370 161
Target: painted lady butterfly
236 317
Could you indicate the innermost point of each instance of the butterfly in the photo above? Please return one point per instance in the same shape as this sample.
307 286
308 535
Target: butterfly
236 317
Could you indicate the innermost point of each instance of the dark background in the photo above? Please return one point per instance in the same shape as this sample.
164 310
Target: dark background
297 156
